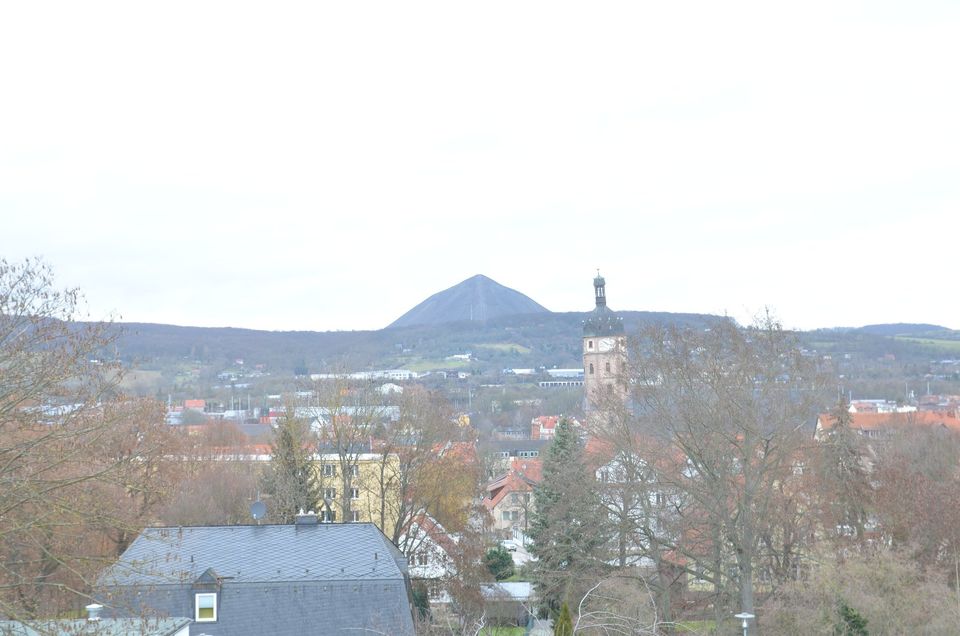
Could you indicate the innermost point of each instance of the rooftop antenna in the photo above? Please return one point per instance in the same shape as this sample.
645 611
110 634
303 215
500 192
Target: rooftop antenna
258 510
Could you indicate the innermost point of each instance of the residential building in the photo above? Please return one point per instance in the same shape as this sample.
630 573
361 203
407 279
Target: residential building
874 425
369 486
431 549
303 578
545 426
509 497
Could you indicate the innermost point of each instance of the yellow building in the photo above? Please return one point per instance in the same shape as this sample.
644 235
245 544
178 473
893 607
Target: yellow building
360 487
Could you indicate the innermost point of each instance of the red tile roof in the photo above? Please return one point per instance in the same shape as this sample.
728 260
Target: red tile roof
523 475
876 421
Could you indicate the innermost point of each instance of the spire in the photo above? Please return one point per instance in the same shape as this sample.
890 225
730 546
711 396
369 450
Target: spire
599 288
601 321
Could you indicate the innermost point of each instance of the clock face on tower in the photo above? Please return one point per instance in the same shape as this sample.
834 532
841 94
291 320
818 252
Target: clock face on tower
606 344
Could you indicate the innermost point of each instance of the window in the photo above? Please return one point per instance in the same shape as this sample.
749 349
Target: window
329 516
206 608
354 516
591 368
608 367
329 470
589 344
422 557
354 493
354 471
510 515
329 493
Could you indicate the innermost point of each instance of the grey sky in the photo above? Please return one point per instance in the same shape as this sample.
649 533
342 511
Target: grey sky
328 165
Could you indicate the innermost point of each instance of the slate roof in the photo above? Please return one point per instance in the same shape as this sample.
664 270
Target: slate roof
270 579
105 627
603 322
326 551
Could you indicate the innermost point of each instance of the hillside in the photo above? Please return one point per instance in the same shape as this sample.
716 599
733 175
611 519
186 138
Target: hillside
526 340
476 299
906 329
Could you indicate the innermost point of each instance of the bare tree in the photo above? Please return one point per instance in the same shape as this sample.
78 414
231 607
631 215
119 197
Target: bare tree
347 416
884 589
79 465
421 469
734 403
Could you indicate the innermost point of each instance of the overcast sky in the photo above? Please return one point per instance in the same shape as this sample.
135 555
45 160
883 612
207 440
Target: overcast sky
329 165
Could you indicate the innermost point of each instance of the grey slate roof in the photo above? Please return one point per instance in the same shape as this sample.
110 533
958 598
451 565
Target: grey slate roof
326 551
603 322
106 627
277 579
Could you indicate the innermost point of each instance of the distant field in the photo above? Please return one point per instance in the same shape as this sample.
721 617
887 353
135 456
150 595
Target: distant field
507 347
952 346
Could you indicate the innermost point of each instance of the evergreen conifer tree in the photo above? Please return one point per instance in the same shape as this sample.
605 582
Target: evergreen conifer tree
564 624
567 522
291 479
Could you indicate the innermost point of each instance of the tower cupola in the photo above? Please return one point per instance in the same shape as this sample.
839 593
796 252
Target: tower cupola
599 289
601 321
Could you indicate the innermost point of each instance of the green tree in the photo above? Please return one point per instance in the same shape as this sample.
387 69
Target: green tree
290 481
851 622
564 623
499 562
421 600
566 522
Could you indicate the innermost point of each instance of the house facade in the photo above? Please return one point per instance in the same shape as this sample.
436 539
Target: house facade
509 497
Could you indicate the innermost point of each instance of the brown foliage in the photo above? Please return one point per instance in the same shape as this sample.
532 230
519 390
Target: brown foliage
884 587
80 467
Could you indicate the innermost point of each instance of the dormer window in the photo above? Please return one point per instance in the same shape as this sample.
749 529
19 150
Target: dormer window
206 608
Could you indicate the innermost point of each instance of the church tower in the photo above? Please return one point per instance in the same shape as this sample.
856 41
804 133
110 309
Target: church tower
604 351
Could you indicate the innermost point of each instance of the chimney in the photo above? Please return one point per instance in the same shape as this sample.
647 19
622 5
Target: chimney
306 518
93 611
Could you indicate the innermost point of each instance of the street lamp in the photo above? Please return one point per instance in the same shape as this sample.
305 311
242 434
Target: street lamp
745 616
